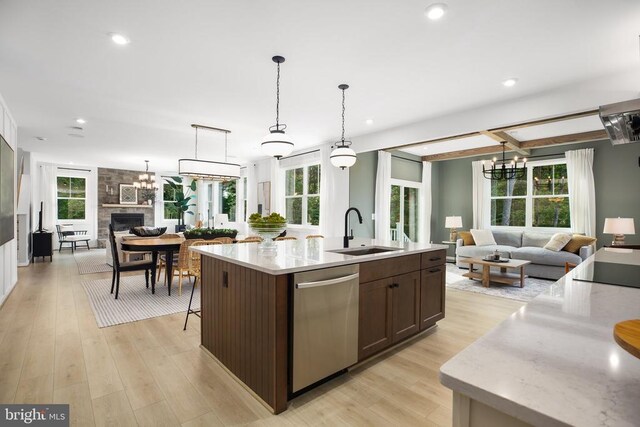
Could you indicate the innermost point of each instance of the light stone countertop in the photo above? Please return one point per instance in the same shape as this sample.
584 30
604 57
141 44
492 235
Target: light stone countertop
292 256
555 361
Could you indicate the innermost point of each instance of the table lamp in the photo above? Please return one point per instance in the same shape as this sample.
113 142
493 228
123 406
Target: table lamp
453 222
618 227
220 220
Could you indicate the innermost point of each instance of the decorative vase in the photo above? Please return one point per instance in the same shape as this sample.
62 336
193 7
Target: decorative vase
149 202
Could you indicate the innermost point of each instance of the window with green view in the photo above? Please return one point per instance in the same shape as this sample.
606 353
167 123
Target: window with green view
71 197
302 195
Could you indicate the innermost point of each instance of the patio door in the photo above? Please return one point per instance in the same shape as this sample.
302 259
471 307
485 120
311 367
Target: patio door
405 210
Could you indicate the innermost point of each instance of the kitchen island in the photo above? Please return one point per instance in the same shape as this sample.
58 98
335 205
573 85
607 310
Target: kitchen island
555 362
251 306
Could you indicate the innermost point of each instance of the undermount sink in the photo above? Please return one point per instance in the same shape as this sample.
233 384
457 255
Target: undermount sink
367 250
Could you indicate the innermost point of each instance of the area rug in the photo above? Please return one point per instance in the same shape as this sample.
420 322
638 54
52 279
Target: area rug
136 302
93 261
532 286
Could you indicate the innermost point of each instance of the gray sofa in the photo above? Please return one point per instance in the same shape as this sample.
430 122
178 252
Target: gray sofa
526 245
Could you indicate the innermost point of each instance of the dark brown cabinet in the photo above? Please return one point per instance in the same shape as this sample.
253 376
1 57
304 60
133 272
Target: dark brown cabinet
432 296
399 297
406 305
375 320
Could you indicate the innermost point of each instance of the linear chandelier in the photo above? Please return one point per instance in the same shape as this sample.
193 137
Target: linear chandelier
208 169
505 169
342 155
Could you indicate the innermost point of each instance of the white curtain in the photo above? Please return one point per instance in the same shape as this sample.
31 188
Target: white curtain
277 187
425 202
252 190
48 197
582 191
334 195
383 196
481 197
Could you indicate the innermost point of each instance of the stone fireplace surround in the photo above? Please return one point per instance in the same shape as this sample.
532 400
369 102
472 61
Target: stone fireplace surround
109 181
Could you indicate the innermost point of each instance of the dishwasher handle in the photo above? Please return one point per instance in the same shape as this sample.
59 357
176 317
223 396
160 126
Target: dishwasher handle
304 285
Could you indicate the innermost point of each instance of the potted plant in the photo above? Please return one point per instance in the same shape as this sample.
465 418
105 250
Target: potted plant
210 233
183 201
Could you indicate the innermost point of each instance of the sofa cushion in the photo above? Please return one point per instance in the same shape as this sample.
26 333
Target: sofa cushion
466 237
535 238
544 256
481 251
558 241
483 237
508 238
578 241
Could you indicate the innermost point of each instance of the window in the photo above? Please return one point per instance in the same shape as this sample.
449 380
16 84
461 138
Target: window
404 210
244 197
541 200
228 199
169 197
302 195
71 197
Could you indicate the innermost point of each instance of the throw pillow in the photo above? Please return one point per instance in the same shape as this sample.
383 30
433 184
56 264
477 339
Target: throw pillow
466 237
558 241
578 241
483 237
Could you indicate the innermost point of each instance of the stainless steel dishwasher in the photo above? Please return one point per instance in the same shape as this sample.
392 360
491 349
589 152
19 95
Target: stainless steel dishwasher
325 323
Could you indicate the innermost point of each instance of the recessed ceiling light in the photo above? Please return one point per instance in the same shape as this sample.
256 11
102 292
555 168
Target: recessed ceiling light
81 121
510 82
369 121
119 39
435 11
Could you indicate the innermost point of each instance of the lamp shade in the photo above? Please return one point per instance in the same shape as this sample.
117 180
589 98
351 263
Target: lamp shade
619 226
343 157
277 144
453 222
217 171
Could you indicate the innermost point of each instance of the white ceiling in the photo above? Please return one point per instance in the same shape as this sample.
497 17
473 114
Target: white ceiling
208 62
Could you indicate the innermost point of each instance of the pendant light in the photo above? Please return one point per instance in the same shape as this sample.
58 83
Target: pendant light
207 169
342 156
504 170
146 181
277 143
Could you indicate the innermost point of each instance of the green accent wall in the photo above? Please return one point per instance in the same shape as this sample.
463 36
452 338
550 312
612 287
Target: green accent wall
616 171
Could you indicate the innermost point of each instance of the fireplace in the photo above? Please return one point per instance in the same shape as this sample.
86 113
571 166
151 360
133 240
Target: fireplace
126 221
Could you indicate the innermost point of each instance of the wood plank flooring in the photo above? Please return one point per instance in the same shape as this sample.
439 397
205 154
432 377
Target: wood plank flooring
152 373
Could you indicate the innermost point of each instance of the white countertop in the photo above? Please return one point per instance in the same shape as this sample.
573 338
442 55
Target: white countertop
293 256
554 361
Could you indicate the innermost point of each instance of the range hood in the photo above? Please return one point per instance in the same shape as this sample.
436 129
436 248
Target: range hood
622 121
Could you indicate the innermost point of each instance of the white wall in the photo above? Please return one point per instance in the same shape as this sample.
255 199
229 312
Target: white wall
9 251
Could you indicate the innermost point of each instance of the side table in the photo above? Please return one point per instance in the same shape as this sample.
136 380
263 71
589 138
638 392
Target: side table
42 245
450 259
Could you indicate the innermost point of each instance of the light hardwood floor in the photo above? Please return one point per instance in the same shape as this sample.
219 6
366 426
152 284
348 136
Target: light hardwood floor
152 373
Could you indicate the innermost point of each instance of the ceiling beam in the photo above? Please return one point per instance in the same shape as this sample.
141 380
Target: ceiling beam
463 153
574 138
520 125
509 141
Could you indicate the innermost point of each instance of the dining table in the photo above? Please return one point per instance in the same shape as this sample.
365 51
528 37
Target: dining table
168 245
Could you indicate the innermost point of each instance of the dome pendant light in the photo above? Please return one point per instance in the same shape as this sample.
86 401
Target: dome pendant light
342 156
277 144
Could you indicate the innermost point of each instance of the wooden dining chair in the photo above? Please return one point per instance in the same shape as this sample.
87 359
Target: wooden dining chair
181 266
256 238
248 240
162 262
195 270
568 266
224 240
278 239
118 267
315 236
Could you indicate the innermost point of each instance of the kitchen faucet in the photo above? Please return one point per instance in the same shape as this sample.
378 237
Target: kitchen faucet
348 237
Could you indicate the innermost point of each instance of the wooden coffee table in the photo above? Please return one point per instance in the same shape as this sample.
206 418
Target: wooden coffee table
503 276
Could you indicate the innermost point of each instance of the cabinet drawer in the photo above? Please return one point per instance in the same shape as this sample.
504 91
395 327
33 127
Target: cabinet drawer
433 258
380 269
